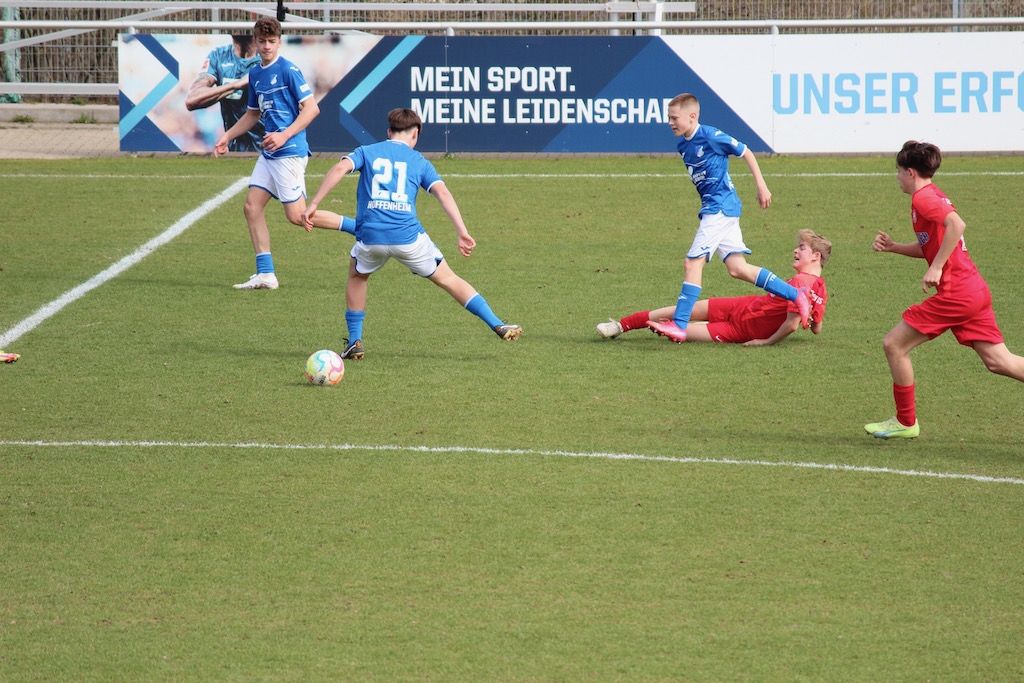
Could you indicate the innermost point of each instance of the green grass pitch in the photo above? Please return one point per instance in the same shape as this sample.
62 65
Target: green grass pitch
178 503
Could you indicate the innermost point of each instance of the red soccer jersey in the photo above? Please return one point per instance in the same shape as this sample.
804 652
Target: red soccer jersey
928 209
758 316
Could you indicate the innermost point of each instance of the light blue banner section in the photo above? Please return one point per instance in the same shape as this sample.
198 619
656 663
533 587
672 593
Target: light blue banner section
140 110
380 72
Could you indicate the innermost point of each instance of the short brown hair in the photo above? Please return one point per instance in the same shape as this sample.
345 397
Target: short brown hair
816 242
923 157
686 101
400 120
267 27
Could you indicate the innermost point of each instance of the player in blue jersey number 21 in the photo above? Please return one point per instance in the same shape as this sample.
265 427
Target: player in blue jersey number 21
391 174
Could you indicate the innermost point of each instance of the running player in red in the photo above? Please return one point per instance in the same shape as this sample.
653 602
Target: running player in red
755 320
961 303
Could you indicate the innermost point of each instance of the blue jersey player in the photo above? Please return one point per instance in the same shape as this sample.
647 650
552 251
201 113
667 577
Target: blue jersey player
224 78
706 150
283 102
391 174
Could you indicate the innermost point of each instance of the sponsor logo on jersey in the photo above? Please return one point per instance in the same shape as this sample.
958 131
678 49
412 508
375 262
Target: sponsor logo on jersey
384 205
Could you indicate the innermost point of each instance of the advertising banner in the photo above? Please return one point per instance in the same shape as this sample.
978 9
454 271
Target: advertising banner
850 93
859 93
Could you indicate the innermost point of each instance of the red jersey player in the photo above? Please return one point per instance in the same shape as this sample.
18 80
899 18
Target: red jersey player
753 320
961 303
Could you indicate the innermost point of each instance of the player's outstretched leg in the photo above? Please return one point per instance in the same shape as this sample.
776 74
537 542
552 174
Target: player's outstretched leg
633 321
610 329
668 328
508 332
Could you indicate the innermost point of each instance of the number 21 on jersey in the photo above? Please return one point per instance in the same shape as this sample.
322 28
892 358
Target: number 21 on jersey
384 172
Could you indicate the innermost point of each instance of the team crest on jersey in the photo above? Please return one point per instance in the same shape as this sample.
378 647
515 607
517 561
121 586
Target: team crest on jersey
273 81
700 151
922 238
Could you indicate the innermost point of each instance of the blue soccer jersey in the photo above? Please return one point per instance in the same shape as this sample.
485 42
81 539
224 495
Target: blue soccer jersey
391 175
706 156
276 91
224 66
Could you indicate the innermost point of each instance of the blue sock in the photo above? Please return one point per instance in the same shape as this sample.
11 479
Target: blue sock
768 281
347 225
477 305
688 296
354 320
264 263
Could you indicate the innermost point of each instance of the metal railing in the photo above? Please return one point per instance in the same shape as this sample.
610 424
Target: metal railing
68 48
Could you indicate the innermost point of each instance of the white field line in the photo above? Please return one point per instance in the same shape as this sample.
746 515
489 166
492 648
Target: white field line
186 221
516 451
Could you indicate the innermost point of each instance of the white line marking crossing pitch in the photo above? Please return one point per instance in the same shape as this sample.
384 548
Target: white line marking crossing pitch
516 451
186 221
541 176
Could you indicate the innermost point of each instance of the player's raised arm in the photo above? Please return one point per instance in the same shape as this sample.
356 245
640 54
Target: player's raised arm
205 92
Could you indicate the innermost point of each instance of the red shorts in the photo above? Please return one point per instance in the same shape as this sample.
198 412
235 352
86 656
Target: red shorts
970 317
729 321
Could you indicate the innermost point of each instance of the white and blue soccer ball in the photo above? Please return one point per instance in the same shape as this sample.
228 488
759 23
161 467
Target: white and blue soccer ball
325 367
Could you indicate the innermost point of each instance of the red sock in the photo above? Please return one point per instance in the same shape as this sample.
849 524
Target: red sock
906 407
635 321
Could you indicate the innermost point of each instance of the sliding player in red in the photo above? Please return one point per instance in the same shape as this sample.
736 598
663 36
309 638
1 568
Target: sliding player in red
754 320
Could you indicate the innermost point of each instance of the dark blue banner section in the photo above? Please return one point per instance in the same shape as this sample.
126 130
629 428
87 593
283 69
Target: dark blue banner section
510 94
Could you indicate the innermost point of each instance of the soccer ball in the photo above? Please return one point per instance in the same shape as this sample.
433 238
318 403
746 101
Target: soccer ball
325 367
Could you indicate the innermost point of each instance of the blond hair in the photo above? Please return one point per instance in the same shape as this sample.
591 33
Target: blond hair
817 243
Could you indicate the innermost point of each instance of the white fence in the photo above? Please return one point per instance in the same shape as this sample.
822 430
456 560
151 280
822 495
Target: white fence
48 28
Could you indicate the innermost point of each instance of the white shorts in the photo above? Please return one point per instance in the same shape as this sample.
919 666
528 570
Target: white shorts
284 179
718 234
421 257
